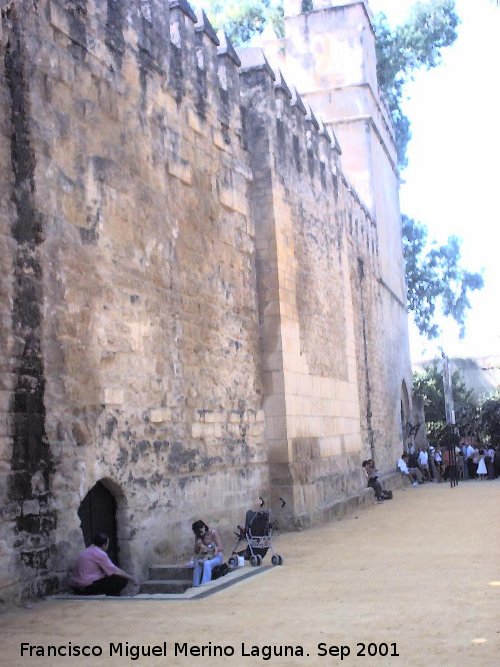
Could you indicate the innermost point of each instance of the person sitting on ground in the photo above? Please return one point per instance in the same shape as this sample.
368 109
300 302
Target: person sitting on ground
208 552
413 474
413 459
95 573
372 478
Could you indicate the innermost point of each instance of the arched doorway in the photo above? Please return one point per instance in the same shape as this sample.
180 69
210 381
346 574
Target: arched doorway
97 514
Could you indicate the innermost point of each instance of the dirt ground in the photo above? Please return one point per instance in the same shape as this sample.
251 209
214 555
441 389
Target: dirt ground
418 576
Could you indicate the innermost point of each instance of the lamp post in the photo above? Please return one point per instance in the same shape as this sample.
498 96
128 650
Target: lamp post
452 431
449 405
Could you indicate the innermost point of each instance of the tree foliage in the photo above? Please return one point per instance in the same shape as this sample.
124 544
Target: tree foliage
405 48
475 417
401 50
435 278
242 19
428 384
489 418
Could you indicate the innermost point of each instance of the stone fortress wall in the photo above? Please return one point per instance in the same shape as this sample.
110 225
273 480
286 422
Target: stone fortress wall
193 310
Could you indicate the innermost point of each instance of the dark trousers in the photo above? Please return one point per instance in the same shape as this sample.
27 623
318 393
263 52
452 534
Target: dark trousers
472 467
112 585
377 487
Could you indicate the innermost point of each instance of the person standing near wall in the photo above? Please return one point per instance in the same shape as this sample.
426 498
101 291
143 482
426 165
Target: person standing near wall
496 462
438 463
488 459
471 467
423 463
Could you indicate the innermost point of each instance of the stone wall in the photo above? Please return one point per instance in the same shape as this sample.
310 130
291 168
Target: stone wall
192 309
133 335
321 305
328 53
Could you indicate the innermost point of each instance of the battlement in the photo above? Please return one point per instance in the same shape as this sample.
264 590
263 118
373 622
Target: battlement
304 154
178 49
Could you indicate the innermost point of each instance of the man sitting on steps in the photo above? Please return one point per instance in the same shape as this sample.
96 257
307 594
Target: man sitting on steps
413 474
372 479
96 574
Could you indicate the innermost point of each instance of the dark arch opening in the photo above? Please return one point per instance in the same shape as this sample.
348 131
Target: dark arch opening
97 514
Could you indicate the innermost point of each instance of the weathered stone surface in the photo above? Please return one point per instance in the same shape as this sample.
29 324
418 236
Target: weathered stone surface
193 310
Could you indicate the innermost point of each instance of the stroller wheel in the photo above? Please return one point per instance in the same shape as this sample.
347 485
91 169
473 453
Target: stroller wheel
254 560
259 559
280 560
233 561
275 560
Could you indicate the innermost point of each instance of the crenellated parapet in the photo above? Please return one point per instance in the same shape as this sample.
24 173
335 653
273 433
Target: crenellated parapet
205 63
305 154
300 142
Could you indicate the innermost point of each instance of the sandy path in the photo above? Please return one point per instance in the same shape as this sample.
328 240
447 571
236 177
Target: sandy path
421 572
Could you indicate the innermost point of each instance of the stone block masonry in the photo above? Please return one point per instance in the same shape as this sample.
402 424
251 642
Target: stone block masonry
319 302
190 302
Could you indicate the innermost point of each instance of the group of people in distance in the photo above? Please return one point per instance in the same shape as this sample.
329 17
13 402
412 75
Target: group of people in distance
434 464
471 459
477 461
95 573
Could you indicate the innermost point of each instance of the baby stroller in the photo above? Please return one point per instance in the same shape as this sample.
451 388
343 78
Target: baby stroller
257 534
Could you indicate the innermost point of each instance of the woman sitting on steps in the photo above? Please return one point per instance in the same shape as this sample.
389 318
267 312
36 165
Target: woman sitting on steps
207 552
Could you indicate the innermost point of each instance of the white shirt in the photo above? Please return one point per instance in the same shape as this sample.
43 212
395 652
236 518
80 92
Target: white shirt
470 451
403 467
423 458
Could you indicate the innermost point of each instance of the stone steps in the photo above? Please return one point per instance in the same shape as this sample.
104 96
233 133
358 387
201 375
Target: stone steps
168 579
164 586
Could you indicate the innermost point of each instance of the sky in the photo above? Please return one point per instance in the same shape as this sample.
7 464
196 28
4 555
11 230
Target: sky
452 181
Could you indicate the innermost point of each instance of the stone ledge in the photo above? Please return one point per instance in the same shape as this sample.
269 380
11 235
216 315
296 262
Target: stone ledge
343 507
234 577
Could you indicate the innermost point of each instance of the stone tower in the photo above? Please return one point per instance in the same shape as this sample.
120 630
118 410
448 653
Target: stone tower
329 55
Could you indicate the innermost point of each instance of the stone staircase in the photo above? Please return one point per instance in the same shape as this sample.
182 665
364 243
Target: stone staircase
168 579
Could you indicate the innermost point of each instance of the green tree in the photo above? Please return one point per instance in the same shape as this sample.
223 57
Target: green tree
242 19
489 418
429 385
435 278
401 50
405 48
